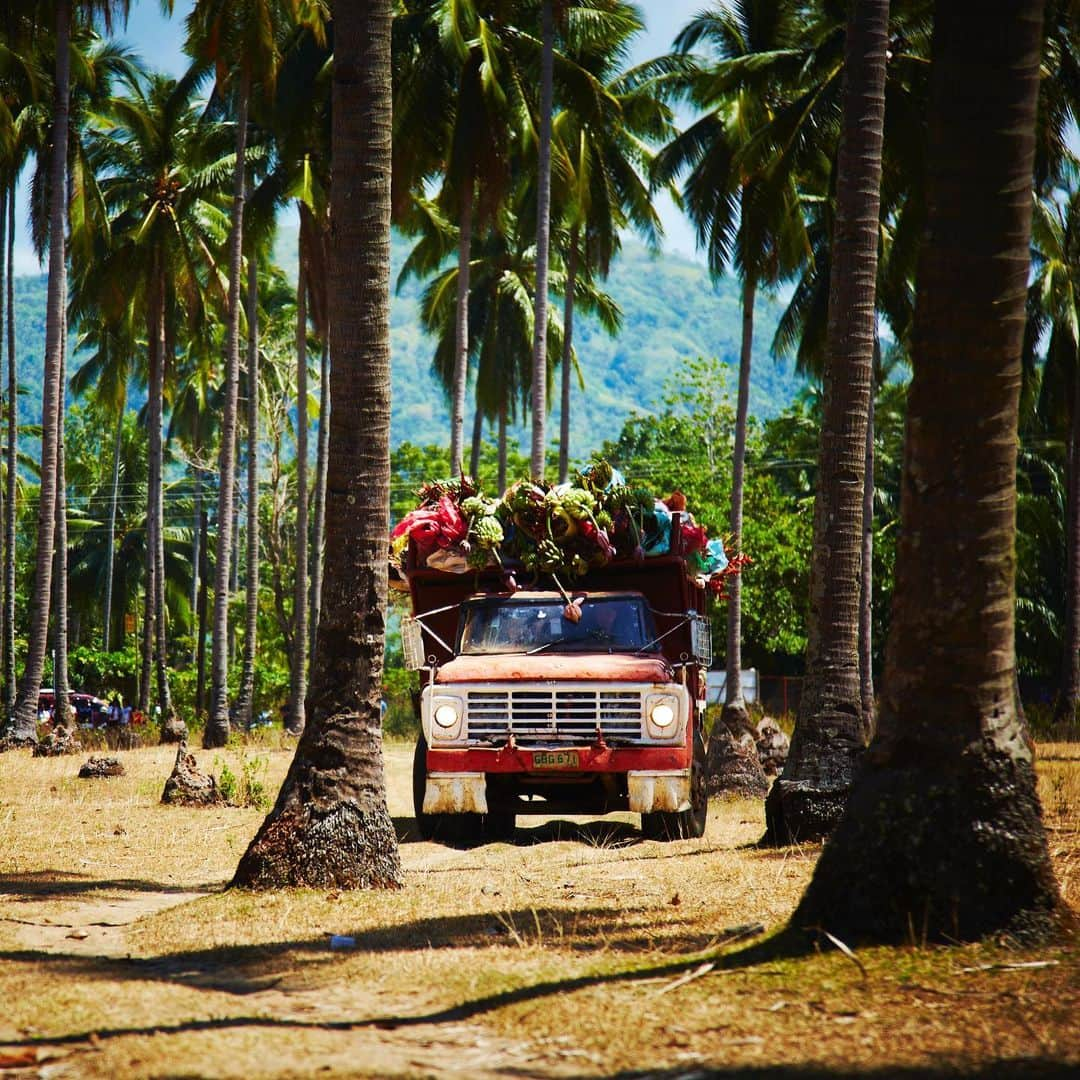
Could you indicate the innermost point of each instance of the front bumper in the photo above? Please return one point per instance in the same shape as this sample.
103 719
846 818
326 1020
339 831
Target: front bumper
651 778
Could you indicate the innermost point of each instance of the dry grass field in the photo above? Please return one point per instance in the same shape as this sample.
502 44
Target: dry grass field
579 950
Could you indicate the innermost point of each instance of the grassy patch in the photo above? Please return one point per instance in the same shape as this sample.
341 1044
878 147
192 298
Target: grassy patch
578 950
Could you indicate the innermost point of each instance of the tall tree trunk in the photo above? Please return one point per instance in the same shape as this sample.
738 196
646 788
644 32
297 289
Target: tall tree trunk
1069 693
461 331
502 443
201 612
217 724
12 469
567 358
330 826
4 301
23 728
251 601
866 590
477 440
114 498
734 765
943 836
319 528
146 662
809 796
61 685
170 728
543 235
196 546
298 685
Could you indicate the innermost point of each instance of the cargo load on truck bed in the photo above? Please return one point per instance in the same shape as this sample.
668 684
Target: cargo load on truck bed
565 639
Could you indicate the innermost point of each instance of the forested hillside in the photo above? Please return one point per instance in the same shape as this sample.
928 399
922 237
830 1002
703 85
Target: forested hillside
671 312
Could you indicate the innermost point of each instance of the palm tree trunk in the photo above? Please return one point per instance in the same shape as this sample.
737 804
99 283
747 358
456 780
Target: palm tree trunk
502 443
251 601
330 827
943 835
201 613
543 236
298 685
1069 694
319 528
4 300
808 798
734 714
734 765
61 687
196 547
114 498
12 469
567 359
866 590
171 729
461 330
24 721
477 440
146 664
217 724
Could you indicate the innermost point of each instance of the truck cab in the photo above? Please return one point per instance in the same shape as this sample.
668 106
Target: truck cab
533 705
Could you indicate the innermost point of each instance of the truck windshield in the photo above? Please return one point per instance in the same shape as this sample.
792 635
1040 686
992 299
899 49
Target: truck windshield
611 624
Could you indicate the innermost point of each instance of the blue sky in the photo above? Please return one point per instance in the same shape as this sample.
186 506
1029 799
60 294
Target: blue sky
159 39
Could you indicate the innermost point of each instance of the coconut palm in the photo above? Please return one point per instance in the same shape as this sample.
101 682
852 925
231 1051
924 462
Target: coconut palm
745 205
330 826
947 789
242 39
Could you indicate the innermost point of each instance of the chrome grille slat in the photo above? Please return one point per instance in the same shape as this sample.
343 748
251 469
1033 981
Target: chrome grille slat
555 713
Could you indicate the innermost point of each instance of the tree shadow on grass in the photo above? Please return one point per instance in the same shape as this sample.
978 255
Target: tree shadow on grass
1007 1069
60 884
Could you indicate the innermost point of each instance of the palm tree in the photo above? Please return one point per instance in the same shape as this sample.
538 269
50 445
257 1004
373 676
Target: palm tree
805 802
23 723
242 38
746 209
947 788
343 836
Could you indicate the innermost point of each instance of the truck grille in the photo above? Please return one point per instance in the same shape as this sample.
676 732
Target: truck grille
537 715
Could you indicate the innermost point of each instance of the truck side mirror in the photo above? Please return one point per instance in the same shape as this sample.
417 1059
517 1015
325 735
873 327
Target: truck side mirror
412 644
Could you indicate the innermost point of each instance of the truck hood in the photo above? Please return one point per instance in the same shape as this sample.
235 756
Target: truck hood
518 667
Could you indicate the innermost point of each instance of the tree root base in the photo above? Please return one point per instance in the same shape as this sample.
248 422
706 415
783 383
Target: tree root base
343 847
733 765
797 813
931 854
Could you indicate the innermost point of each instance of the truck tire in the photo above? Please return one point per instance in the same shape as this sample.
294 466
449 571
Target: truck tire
684 824
457 830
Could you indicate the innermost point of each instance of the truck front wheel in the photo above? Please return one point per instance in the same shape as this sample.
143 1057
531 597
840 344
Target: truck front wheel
684 824
458 830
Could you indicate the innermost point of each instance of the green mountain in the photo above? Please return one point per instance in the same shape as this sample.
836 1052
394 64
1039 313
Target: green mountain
671 312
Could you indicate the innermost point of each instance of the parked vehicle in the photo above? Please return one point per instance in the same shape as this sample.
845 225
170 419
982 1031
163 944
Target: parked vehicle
531 708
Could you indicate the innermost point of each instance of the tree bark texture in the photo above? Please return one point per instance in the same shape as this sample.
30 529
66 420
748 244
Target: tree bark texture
114 497
734 714
251 599
12 468
477 440
157 497
866 591
502 443
4 301
943 838
201 612
1069 693
330 826
217 723
23 727
543 235
61 683
298 684
461 331
567 359
318 532
807 800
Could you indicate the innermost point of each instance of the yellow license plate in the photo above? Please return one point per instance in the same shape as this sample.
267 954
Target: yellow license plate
556 759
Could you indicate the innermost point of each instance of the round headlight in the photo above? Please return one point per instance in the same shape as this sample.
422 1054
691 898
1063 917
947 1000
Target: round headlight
446 716
662 715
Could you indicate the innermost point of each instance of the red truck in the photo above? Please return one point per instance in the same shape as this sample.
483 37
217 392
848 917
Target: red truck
526 710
